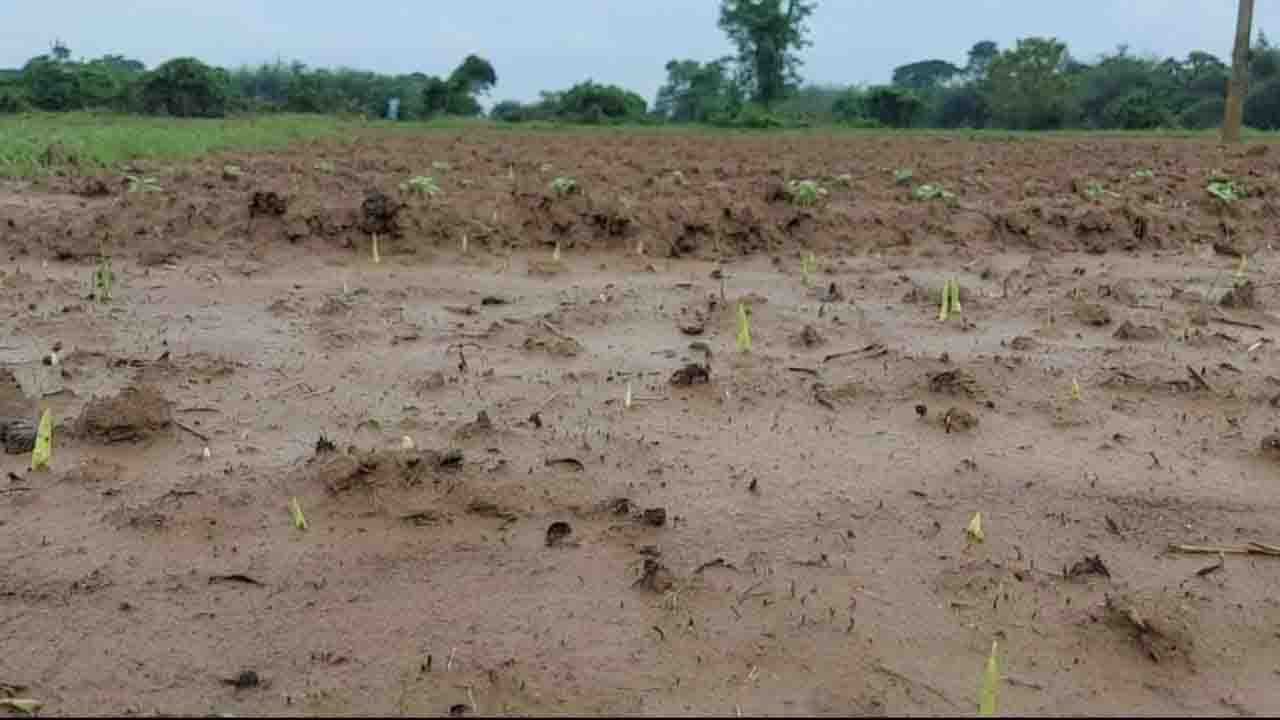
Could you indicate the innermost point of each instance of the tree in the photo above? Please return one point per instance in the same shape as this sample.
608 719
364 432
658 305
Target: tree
592 103
893 106
696 92
981 55
186 87
768 33
1028 87
475 76
924 75
52 85
1238 90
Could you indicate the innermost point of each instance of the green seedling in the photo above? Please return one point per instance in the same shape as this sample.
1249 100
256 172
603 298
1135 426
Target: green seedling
441 166
744 329
1076 395
324 166
1143 174
903 177
805 193
950 303
422 185
103 280
299 520
808 266
974 530
26 706
1095 190
1225 190
43 451
232 172
932 192
990 683
142 184
563 186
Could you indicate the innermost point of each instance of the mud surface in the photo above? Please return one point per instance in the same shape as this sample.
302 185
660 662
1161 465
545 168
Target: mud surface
490 529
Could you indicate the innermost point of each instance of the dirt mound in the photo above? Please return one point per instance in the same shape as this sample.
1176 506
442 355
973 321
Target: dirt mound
134 415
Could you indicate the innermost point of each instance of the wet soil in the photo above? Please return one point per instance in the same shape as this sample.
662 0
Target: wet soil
492 528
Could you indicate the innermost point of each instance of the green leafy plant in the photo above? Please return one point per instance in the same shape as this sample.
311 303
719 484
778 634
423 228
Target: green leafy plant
422 185
1143 174
744 329
232 172
142 184
103 280
1095 190
805 193
932 192
295 510
903 176
563 186
1225 190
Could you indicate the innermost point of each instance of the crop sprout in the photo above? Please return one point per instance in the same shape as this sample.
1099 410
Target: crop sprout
932 192
324 166
441 166
1225 190
903 176
422 185
950 304
744 329
1143 174
1095 190
232 172
808 267
103 280
564 185
805 193
142 184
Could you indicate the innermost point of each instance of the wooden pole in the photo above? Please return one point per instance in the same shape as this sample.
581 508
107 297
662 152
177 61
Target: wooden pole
1239 88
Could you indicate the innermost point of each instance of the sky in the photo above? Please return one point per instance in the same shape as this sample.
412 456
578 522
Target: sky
553 44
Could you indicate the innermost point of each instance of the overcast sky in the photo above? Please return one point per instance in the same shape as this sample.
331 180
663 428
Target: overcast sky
551 44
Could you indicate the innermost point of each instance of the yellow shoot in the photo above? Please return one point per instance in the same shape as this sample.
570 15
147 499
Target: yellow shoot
974 531
376 257
43 451
299 520
556 255
1243 268
744 329
990 684
808 266
1075 390
955 297
945 306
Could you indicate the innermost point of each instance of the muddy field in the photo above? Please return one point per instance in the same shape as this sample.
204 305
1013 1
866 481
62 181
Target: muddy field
491 530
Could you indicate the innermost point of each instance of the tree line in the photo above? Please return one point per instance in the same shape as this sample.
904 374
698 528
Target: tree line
1037 84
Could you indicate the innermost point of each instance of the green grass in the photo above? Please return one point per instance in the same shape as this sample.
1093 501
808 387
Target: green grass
108 141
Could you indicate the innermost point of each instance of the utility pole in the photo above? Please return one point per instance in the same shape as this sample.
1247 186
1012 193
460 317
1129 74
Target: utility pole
1239 88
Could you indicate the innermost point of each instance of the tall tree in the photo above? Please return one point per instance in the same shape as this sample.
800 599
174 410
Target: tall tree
768 34
1239 88
1028 87
924 75
980 57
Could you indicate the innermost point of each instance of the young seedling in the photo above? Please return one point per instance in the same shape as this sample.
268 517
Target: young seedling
142 184
955 297
421 185
441 166
744 329
232 172
464 243
990 683
974 530
324 166
377 258
903 176
808 266
1242 269
950 304
299 520
563 186
1225 190
626 400
103 280
43 451
844 180
26 706
1143 174
1095 190
1076 395
805 193
932 192
555 255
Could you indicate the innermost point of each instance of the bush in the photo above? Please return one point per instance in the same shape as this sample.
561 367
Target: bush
12 101
595 104
894 107
1262 109
1204 115
186 87
750 117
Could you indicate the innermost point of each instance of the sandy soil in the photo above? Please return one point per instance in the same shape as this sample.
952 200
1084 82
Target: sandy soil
783 536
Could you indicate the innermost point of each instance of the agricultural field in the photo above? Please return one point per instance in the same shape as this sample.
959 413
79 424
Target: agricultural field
461 420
